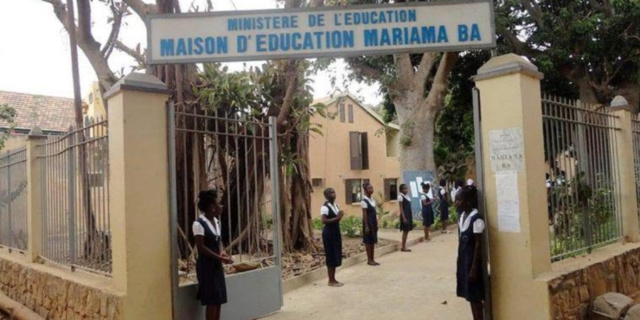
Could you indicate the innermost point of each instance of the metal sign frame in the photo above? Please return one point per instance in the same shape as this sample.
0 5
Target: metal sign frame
333 54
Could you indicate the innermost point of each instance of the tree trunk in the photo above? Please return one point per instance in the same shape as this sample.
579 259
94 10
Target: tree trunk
416 132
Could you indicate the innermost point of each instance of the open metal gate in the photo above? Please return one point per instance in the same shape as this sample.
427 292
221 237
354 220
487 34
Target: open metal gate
237 154
477 123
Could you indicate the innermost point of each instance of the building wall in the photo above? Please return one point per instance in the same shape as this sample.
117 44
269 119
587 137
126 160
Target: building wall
330 157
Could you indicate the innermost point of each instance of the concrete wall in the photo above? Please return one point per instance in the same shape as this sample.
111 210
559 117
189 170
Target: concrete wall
57 293
330 157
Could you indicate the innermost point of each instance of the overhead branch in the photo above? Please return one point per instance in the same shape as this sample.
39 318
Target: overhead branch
366 71
520 47
140 8
424 69
115 30
441 80
60 10
131 52
287 103
534 10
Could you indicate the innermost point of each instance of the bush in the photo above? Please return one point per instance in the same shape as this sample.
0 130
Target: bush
317 224
351 226
453 215
416 224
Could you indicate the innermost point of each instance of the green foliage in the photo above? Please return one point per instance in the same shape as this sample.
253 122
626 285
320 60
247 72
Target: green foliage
584 217
351 226
592 44
7 115
317 224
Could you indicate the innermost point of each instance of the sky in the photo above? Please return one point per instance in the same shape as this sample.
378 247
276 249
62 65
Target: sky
35 55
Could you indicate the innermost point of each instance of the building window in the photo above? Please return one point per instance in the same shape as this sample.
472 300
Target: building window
391 189
350 109
359 150
353 188
342 113
317 182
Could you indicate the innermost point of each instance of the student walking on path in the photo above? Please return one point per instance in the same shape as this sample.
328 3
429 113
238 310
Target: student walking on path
369 223
331 237
212 289
406 215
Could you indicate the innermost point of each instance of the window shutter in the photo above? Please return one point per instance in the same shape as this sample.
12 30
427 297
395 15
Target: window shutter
347 189
342 115
387 189
364 151
350 113
354 151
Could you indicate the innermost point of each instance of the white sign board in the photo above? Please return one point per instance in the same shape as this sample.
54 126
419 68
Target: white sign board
506 149
321 32
508 201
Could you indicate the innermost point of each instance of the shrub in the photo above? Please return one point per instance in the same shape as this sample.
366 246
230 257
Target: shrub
317 224
351 226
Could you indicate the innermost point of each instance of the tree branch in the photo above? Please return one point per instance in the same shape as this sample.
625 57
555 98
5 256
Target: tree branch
131 52
405 69
534 11
115 30
287 103
140 8
424 69
441 80
362 69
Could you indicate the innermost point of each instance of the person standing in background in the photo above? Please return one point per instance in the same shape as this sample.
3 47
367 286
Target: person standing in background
406 215
444 205
369 223
331 237
427 210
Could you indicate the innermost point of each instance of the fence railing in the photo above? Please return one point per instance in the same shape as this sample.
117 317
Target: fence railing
583 190
236 162
75 191
13 199
635 131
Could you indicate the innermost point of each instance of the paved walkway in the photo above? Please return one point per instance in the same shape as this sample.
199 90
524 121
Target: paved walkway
406 286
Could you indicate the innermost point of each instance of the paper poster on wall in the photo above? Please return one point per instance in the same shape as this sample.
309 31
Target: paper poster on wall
414 179
506 149
508 201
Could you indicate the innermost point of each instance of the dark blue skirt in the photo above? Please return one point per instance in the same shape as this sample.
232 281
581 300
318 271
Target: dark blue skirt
427 216
332 241
212 289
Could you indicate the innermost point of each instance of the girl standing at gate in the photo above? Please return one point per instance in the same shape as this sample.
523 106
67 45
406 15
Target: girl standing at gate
406 216
470 283
212 290
444 205
427 210
369 223
331 238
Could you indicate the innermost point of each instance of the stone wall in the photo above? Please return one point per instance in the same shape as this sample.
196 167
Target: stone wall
54 297
572 293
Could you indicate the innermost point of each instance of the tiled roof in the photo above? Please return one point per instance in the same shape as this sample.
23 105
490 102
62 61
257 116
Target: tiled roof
47 113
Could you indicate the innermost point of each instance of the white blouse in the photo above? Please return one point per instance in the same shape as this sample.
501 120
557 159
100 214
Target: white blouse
324 211
198 229
364 201
478 225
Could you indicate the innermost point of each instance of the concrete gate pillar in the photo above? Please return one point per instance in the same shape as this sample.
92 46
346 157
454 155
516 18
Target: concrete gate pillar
513 159
139 203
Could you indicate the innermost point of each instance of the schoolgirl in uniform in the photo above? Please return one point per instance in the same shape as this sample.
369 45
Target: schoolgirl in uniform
406 216
369 223
212 290
470 285
331 238
444 205
427 210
